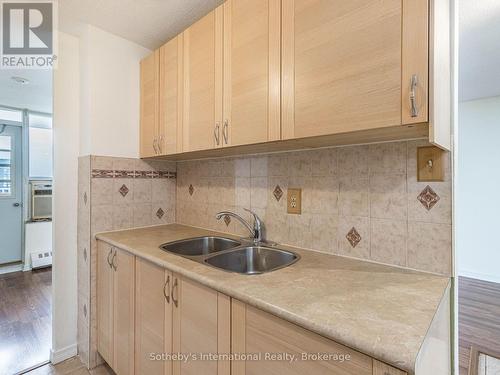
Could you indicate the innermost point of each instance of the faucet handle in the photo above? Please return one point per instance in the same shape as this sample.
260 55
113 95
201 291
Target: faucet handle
257 226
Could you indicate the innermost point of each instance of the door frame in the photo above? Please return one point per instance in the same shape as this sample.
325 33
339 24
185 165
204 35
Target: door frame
22 168
25 178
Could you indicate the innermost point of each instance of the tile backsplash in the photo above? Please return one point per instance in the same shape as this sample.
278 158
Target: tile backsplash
113 194
358 201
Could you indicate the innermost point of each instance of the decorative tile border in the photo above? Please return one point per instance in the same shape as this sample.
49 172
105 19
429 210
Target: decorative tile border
109 173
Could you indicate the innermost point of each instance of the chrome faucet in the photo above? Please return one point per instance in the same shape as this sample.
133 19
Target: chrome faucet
255 231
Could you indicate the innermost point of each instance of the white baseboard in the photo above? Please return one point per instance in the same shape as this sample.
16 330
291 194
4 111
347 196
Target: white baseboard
63 354
11 268
26 267
480 276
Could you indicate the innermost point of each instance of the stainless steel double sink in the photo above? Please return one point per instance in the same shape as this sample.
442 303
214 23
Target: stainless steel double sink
227 254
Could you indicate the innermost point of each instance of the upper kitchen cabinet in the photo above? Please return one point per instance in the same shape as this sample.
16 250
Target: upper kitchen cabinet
273 75
353 65
251 72
149 115
170 96
202 112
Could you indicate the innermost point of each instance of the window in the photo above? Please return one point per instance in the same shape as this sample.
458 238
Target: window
5 166
40 146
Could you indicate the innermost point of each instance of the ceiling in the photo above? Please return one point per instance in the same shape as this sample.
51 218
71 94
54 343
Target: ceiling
149 23
479 49
36 95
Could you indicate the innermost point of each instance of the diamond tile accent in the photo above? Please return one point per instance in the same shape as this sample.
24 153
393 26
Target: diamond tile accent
85 198
124 190
353 237
191 189
227 220
278 193
160 213
428 198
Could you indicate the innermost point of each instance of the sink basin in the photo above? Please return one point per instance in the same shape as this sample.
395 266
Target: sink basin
200 246
252 260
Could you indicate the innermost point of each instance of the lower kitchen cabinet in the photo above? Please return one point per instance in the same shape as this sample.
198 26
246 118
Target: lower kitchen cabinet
201 325
145 310
115 308
153 318
380 368
254 331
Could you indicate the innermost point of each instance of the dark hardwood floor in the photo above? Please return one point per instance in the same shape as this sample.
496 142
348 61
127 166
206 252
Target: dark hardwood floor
478 318
25 319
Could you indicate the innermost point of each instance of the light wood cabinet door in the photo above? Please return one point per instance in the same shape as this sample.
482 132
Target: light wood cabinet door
105 302
202 324
171 86
254 331
203 83
380 368
149 81
123 312
153 318
251 71
341 66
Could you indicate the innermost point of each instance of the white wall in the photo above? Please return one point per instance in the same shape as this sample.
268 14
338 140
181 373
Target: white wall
37 238
66 132
478 189
110 94
96 111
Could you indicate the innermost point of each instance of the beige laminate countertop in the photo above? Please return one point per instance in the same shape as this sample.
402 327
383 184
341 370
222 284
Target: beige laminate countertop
382 311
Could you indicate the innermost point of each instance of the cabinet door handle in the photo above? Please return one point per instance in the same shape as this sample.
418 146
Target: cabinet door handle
113 261
413 95
109 254
217 133
167 285
159 144
155 141
174 293
225 130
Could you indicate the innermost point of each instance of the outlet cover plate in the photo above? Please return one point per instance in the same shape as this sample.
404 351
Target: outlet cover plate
294 201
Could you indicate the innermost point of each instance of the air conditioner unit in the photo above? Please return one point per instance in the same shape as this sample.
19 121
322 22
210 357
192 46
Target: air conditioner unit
41 259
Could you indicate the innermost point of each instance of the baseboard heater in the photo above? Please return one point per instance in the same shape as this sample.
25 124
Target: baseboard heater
41 260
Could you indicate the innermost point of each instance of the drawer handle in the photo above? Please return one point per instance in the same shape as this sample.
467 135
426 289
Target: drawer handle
167 283
217 133
413 95
109 254
113 261
225 131
174 292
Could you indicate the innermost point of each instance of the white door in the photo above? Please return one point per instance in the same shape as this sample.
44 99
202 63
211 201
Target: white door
10 193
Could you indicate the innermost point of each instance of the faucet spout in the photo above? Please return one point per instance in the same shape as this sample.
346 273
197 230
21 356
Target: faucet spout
255 230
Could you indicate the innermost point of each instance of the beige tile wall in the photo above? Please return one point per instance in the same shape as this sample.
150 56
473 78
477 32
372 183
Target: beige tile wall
371 189
114 194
